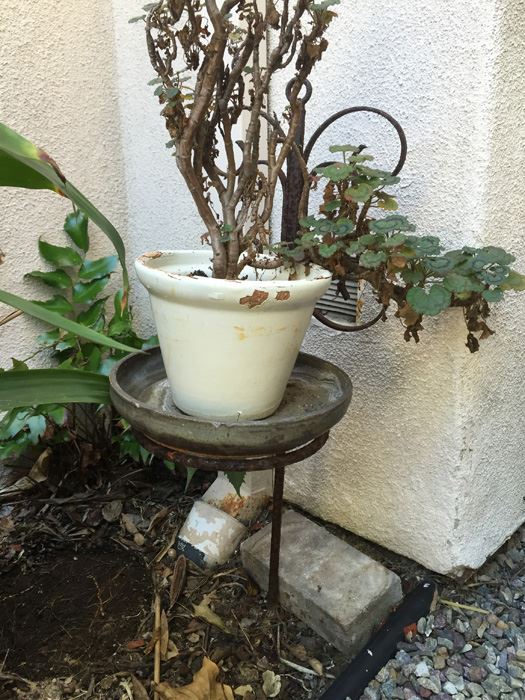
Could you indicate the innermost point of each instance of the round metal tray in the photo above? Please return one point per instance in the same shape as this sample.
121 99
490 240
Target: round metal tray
316 398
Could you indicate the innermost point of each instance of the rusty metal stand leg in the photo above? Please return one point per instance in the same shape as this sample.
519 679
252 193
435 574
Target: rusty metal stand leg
275 547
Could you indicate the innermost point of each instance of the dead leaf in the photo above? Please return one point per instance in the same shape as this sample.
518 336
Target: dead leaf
271 684
128 523
111 511
178 579
158 518
203 611
135 644
203 687
172 651
243 690
164 635
139 691
139 539
317 666
299 651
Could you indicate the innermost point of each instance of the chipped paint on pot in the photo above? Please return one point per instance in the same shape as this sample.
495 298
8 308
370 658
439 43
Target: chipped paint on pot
228 346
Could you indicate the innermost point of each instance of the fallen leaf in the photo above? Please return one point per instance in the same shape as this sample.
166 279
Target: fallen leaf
317 666
128 523
172 651
203 687
243 690
204 611
139 691
271 684
164 635
111 511
178 579
158 518
135 644
409 631
299 651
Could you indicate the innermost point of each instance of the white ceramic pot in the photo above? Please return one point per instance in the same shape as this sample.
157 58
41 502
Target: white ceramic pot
228 346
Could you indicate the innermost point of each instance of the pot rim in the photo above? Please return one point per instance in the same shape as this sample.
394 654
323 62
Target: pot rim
151 261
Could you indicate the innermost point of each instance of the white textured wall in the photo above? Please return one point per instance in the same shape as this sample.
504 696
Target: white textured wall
429 459
58 88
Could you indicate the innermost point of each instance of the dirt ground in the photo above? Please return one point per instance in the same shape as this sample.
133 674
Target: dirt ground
93 590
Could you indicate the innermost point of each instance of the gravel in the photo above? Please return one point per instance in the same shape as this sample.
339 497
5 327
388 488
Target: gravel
472 644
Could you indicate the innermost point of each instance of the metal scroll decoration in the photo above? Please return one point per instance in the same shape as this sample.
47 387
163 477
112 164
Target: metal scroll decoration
292 184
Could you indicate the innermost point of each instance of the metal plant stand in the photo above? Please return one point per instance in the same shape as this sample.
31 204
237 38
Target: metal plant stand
316 397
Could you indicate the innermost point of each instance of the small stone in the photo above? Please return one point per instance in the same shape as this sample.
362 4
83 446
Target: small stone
409 693
421 670
494 669
491 656
424 692
383 675
455 678
450 688
481 652
459 696
502 625
444 642
467 647
476 674
440 663
506 595
495 685
398 694
461 626
474 689
372 693
439 621
515 671
403 657
516 683
502 661
492 619
139 539
388 688
433 684
481 629
495 631
520 654
421 624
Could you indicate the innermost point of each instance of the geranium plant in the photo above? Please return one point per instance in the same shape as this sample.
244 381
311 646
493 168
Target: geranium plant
414 272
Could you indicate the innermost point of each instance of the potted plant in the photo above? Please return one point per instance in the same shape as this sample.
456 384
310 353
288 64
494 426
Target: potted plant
231 318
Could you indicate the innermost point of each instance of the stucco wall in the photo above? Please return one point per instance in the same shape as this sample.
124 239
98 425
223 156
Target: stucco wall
428 460
58 88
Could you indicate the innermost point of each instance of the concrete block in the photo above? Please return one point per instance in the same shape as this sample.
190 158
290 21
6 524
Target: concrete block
339 592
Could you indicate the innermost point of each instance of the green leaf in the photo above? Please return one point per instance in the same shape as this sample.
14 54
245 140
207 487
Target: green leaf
56 278
326 251
494 274
424 245
333 205
13 422
492 295
37 427
136 19
87 292
94 269
55 319
360 193
76 226
440 265
354 247
343 227
94 357
37 386
236 479
22 164
308 222
59 256
394 241
372 259
57 303
91 315
514 281
394 222
455 282
493 254
50 338
172 92
347 148
431 302
336 171
386 202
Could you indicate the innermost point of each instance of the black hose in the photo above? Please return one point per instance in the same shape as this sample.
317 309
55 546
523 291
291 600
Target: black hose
350 684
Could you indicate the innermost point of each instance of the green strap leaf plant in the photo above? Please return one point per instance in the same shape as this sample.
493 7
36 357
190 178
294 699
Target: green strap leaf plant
38 311
22 164
31 387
